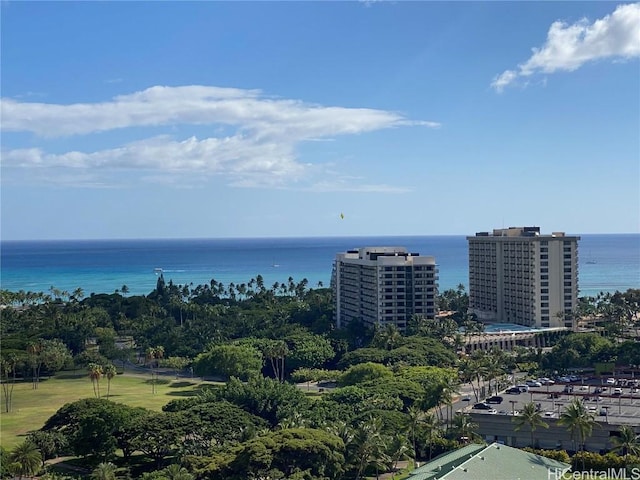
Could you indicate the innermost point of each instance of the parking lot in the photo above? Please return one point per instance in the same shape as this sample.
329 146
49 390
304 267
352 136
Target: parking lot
613 402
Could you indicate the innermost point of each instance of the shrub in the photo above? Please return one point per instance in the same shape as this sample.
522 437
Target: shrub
559 455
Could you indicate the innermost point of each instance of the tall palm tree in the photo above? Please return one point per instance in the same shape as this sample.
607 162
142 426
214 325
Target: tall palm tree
95 374
578 419
415 415
529 416
104 471
25 459
430 424
276 351
153 356
445 393
109 372
34 349
628 443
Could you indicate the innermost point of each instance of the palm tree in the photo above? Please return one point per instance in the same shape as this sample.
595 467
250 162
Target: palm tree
104 471
176 472
430 423
445 391
153 356
399 448
109 372
529 416
464 428
276 351
95 373
8 367
388 338
34 349
369 445
628 442
578 420
415 415
25 459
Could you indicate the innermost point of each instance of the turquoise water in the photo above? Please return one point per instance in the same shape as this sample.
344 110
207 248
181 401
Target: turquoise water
606 262
510 328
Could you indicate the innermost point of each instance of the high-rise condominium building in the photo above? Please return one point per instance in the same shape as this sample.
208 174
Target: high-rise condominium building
518 276
383 285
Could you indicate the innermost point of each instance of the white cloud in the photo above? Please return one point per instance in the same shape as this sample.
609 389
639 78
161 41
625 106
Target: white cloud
195 105
258 148
568 47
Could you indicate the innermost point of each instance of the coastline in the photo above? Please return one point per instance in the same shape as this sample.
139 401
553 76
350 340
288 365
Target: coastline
103 266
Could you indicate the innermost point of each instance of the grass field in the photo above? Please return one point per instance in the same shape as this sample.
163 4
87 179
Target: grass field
32 408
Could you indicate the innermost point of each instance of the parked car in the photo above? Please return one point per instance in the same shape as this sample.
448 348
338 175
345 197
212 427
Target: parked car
495 399
523 388
533 383
513 390
616 391
482 406
611 381
546 381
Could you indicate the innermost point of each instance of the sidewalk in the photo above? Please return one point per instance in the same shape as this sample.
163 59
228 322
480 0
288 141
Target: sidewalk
391 475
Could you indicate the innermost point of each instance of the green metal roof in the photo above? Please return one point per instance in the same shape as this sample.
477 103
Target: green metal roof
490 462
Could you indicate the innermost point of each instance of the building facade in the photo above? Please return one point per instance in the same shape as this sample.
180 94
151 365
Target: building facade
517 275
383 286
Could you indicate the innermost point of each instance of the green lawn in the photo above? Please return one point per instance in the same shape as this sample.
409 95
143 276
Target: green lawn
31 408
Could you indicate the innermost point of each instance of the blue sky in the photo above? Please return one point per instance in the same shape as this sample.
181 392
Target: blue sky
259 119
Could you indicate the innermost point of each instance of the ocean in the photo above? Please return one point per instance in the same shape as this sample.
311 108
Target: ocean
606 262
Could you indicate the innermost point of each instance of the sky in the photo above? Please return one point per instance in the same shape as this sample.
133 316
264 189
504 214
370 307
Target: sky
298 119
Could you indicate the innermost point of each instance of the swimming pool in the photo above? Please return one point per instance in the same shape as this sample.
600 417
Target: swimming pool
501 328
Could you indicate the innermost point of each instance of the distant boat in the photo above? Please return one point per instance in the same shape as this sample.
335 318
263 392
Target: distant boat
157 271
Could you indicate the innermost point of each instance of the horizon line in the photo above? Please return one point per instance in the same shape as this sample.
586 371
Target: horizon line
274 237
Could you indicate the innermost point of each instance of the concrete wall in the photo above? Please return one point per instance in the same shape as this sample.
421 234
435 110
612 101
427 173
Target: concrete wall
500 428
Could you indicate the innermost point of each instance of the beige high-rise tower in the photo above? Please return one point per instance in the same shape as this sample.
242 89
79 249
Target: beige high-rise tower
383 285
517 275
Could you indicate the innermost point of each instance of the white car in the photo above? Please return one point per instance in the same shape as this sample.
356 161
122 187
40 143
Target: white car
533 383
611 381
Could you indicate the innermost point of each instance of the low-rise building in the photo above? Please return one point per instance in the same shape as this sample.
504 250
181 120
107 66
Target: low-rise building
494 462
